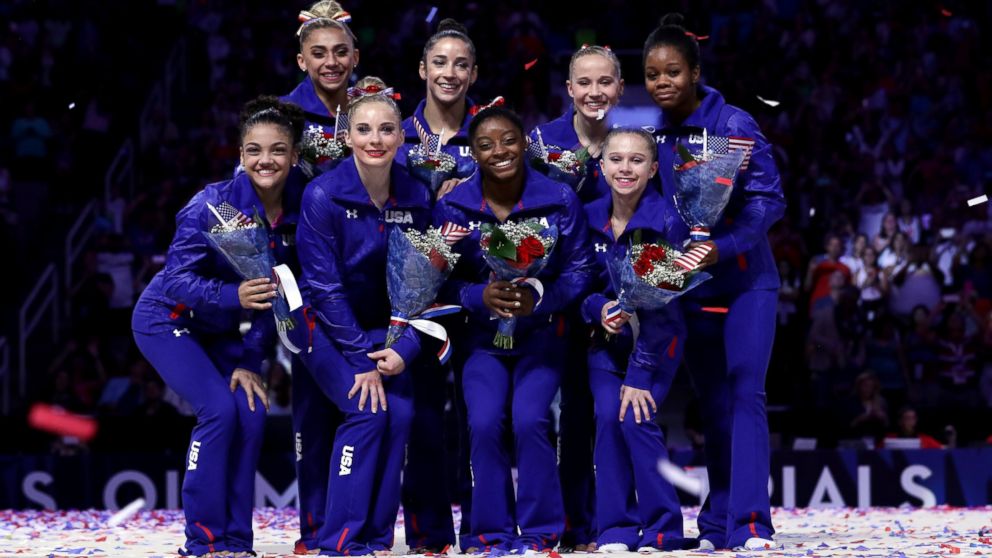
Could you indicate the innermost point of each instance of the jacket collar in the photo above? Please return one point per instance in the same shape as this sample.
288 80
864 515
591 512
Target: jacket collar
418 117
712 102
241 194
406 191
539 192
561 130
305 97
651 214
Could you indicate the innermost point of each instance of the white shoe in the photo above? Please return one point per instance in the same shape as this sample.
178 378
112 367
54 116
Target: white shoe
647 549
706 545
755 543
613 547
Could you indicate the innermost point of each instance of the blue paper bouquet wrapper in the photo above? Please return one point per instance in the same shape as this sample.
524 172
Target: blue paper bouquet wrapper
433 177
247 250
633 293
412 281
703 189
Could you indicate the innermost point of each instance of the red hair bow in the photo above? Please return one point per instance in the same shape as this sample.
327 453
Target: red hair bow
355 92
497 102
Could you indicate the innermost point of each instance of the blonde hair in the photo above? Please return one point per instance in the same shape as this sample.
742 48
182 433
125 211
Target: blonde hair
356 102
325 14
587 50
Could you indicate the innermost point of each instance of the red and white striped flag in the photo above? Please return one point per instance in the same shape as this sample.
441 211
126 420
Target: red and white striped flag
724 144
453 232
690 260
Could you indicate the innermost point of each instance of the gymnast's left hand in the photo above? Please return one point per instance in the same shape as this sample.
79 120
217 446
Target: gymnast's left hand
252 384
388 362
639 400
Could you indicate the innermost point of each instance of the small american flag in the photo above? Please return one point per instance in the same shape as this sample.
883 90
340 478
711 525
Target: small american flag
723 144
690 260
453 232
428 141
230 216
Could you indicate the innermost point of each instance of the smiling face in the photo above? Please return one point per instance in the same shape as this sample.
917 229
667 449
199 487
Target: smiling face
594 85
328 56
670 80
374 134
498 145
267 155
628 164
449 69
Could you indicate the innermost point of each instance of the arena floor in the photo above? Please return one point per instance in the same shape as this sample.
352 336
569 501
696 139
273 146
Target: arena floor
903 532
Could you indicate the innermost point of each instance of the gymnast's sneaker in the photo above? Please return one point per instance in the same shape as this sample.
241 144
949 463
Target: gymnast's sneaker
755 543
706 545
613 547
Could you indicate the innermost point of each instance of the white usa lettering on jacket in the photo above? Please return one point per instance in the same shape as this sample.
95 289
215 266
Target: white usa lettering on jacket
394 216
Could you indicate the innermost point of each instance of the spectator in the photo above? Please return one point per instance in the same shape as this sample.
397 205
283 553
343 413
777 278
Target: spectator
867 411
820 278
906 428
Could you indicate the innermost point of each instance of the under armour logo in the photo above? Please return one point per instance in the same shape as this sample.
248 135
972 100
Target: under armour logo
474 225
179 332
661 139
351 213
600 247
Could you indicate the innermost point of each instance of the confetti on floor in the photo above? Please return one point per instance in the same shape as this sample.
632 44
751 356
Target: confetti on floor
875 532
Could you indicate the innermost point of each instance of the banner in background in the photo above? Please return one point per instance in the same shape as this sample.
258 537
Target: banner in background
821 478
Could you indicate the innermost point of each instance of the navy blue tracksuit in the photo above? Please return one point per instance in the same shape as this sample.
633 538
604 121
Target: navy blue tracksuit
426 500
635 506
342 249
575 421
728 353
186 323
313 413
525 378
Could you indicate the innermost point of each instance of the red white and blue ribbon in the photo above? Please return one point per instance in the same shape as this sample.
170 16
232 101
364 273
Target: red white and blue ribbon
422 322
613 314
305 18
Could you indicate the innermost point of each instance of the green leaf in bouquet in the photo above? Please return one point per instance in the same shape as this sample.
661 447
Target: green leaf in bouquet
486 228
582 155
684 153
636 236
501 246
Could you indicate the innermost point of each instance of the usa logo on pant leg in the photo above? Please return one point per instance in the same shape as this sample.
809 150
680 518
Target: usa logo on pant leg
194 455
347 459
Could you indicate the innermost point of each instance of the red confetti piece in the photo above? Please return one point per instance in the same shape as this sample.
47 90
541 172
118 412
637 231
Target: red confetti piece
57 421
945 12
715 309
953 549
530 64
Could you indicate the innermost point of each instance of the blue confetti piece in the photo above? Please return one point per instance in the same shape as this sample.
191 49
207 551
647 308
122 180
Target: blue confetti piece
430 16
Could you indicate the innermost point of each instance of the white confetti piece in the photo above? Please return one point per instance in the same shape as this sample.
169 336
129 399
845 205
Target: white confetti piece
975 201
125 513
600 114
72 105
430 16
768 102
679 478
